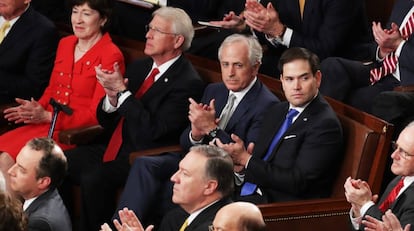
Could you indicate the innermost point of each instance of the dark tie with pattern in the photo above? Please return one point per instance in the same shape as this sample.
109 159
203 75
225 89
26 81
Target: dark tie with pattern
116 138
249 188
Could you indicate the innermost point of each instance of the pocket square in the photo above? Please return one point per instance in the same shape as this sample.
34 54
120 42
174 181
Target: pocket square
289 137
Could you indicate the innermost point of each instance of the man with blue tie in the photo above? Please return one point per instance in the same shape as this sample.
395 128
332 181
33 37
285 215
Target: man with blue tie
217 115
300 143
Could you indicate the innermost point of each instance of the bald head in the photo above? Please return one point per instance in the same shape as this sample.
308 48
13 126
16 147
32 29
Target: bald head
239 216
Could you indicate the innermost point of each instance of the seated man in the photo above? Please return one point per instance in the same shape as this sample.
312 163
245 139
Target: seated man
40 167
240 58
202 185
299 147
356 83
28 42
399 194
148 112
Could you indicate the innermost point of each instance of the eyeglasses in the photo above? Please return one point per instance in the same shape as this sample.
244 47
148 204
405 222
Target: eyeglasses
400 151
153 28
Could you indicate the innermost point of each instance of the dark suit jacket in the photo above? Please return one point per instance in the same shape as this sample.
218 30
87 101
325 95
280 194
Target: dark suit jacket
245 120
159 117
48 213
304 162
328 28
174 219
403 207
27 54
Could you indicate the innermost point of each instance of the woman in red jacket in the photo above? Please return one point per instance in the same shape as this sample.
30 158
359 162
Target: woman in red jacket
73 81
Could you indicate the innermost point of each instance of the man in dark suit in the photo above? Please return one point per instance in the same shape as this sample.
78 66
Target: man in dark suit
154 117
40 167
202 185
400 200
350 81
240 58
27 51
326 27
303 161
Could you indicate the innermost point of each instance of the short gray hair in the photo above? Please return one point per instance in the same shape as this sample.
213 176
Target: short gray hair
181 23
255 50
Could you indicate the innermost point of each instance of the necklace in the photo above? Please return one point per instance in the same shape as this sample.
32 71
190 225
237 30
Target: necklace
78 47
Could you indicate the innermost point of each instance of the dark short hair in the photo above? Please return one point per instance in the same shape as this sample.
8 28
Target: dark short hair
51 164
296 53
104 7
12 216
219 167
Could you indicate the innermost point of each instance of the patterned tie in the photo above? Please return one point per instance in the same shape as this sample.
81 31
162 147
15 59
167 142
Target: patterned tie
301 7
389 65
3 29
227 111
116 138
249 188
392 196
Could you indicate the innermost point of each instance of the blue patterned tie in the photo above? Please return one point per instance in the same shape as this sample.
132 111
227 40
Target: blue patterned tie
249 188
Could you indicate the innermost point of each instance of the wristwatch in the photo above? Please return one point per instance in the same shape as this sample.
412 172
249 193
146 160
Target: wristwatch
120 93
213 133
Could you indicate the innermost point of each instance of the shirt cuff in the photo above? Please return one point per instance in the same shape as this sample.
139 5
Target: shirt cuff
238 178
108 108
194 142
399 48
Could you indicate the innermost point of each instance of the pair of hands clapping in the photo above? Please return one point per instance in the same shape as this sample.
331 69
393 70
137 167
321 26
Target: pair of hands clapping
28 112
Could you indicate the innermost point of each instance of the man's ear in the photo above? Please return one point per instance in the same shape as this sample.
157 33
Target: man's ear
44 182
179 41
210 187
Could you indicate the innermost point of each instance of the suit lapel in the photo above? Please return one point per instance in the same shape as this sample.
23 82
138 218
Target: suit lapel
274 126
38 202
245 105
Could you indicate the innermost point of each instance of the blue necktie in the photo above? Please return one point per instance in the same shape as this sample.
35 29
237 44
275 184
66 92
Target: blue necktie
249 188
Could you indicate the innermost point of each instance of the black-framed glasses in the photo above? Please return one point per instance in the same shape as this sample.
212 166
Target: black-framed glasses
153 28
400 151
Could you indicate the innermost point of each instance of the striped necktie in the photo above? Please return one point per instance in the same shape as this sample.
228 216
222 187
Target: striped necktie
389 64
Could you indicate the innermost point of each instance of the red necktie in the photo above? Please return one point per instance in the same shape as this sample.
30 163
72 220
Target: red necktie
116 138
389 65
392 196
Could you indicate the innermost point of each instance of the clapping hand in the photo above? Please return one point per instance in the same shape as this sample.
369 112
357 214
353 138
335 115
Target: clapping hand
28 112
389 223
129 222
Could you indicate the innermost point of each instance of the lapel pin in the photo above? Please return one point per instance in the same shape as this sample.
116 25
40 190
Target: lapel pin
166 80
305 119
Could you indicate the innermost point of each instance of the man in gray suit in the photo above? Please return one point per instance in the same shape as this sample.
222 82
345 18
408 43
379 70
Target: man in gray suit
40 167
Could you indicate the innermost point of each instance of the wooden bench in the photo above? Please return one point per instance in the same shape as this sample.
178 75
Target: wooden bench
367 142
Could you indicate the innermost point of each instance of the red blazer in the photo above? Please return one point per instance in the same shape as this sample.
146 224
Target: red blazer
73 84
